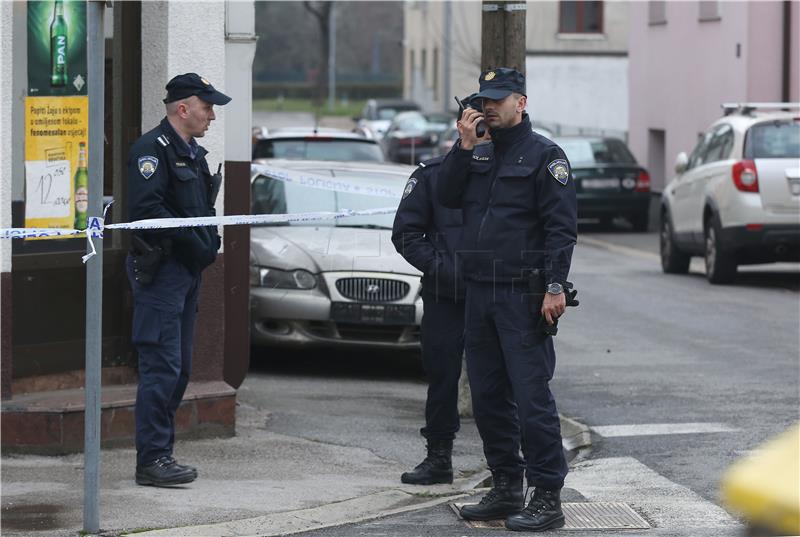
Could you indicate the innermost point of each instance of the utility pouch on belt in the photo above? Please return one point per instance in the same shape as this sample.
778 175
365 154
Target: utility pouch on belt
146 260
537 285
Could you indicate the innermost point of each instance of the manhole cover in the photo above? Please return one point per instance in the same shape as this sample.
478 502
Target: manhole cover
582 516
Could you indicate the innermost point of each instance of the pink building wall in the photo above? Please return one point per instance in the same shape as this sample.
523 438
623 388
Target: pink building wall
681 71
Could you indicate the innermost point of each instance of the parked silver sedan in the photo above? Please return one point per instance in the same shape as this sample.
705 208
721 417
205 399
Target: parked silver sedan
330 282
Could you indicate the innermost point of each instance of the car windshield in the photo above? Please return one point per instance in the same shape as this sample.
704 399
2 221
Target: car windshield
777 139
412 123
388 112
319 149
607 151
271 196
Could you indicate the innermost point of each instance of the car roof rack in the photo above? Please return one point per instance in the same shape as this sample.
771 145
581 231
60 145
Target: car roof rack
748 108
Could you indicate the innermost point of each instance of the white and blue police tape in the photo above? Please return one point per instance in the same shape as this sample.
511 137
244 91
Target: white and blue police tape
335 184
95 225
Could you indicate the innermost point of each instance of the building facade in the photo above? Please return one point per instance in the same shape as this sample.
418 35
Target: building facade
43 285
576 60
687 58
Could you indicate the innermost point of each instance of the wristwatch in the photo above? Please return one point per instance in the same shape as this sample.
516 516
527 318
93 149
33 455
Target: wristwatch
555 288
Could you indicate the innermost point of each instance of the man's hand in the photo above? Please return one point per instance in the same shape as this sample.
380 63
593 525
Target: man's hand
553 306
466 129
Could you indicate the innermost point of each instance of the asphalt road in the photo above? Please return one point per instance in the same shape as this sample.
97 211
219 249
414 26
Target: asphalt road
677 379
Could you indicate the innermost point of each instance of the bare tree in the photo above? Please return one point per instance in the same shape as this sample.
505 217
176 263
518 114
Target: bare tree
322 12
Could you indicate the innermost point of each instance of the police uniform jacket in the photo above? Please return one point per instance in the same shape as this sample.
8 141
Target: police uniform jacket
427 234
519 205
165 181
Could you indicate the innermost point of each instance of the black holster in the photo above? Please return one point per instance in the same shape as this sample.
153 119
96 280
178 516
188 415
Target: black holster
146 260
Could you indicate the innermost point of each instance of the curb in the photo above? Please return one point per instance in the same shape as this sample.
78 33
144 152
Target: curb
575 437
372 506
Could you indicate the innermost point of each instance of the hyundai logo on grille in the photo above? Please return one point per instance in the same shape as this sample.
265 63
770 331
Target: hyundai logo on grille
372 289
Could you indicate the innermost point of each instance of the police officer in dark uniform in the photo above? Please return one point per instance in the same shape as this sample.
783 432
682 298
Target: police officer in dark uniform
520 228
168 177
427 234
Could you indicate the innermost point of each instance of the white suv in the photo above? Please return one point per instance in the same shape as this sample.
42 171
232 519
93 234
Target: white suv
736 198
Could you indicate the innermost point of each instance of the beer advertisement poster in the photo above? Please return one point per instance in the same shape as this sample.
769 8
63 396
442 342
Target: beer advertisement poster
56 116
57 48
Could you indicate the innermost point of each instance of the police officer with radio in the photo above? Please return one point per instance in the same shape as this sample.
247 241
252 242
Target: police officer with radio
426 234
520 228
168 177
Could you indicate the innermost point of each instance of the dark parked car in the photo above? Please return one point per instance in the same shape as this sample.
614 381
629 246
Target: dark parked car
410 138
608 180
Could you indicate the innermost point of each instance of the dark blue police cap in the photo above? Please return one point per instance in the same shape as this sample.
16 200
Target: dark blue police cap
183 86
499 83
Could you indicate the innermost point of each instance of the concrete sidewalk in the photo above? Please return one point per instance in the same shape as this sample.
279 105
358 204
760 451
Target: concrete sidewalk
260 482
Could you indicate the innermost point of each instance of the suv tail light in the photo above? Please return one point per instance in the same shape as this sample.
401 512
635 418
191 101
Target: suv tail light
642 182
745 176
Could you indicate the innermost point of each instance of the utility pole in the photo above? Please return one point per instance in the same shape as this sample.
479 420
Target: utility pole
503 35
447 52
94 270
332 57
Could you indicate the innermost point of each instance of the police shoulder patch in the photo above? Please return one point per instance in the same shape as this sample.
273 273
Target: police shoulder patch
559 169
409 187
147 166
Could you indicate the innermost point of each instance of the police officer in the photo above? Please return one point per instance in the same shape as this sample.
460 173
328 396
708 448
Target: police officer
426 234
168 177
520 228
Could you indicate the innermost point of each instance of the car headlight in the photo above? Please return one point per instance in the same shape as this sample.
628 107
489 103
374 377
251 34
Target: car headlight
281 279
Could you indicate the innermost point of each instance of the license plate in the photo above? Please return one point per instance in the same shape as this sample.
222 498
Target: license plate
600 183
794 186
350 312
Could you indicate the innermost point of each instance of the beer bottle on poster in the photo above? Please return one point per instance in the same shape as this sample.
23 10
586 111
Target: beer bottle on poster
81 189
58 46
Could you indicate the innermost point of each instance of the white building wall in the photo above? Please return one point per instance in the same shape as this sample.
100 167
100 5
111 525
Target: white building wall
176 39
588 92
240 27
6 137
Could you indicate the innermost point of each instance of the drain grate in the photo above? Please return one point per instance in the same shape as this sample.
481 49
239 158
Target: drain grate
582 516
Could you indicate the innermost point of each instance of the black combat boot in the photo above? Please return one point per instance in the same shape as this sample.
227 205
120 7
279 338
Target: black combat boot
436 468
542 513
164 472
503 500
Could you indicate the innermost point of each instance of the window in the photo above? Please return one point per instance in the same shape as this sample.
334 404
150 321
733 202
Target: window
698 156
777 139
720 145
605 151
578 17
709 11
423 64
657 12
411 64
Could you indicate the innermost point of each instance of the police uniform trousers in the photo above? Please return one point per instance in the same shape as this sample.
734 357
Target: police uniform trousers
510 364
442 353
163 327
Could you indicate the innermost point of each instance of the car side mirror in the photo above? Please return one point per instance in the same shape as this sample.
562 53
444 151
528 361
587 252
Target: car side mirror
681 162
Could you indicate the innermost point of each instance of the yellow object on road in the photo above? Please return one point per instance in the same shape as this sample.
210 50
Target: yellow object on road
764 487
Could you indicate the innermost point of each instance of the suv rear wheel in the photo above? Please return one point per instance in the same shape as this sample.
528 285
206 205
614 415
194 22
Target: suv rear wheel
673 260
720 263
